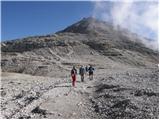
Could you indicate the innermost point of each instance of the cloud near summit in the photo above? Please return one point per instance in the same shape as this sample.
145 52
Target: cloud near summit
140 17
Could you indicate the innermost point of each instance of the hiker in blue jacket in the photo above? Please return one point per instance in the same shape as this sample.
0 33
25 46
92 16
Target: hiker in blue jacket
82 72
90 70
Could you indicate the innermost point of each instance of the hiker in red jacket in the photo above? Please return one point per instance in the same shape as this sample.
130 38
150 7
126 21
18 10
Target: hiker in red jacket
73 75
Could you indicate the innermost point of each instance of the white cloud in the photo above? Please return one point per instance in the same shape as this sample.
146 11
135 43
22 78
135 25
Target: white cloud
138 16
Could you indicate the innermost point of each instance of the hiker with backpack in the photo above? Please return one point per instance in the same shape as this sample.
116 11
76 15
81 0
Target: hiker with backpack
82 72
86 69
73 75
90 70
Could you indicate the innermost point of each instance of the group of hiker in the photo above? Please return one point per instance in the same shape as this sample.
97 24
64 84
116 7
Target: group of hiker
82 72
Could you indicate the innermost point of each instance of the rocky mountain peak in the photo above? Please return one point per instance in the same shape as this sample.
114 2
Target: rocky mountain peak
87 25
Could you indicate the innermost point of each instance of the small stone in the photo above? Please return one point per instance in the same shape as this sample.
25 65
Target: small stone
74 113
79 104
59 114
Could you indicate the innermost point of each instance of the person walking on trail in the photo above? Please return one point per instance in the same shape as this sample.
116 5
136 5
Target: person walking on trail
82 72
86 69
73 75
90 70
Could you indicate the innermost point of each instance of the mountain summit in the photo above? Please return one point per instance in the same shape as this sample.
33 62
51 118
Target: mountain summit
87 25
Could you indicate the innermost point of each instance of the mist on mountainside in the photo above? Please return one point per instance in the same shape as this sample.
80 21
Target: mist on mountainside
140 17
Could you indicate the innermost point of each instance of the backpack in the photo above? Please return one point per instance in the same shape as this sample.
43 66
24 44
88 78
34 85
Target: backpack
73 71
81 70
91 69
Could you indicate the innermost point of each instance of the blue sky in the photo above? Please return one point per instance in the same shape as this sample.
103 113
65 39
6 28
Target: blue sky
22 19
